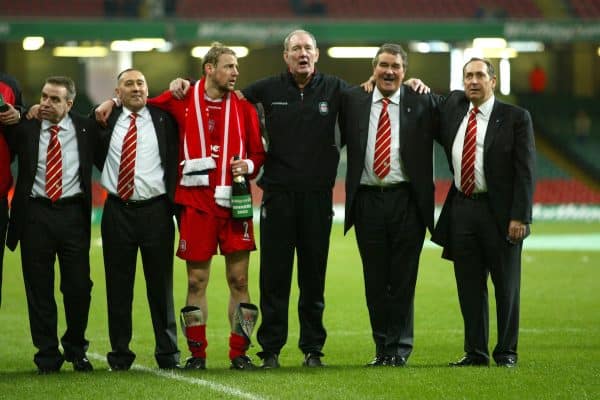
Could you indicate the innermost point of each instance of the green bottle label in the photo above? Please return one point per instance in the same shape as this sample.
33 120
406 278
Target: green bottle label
241 206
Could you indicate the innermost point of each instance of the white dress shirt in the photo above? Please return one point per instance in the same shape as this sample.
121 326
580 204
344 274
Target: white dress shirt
70 159
149 172
395 176
482 117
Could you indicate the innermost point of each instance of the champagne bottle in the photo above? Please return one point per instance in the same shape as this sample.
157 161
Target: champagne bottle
241 200
3 105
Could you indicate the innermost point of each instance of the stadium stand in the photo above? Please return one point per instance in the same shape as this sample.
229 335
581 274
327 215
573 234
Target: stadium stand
555 121
203 9
52 9
585 9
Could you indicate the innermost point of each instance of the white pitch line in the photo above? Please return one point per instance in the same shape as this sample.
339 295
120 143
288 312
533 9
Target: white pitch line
217 387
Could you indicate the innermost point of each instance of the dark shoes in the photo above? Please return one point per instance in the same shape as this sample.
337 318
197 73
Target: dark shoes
82 364
507 362
270 360
387 361
242 363
195 363
471 361
313 360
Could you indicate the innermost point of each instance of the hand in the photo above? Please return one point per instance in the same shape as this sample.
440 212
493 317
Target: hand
417 85
516 231
238 167
179 87
368 85
10 116
33 112
103 111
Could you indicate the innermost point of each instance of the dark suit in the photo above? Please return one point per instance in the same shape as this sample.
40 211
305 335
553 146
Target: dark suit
146 225
47 230
473 231
390 225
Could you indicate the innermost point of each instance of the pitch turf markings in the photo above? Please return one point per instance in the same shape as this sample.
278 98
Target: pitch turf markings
217 387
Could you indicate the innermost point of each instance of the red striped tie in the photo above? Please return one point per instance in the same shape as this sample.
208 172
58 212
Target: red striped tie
54 166
467 177
127 167
383 140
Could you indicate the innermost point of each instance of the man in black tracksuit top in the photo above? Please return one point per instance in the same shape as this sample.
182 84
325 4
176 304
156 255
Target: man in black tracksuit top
301 108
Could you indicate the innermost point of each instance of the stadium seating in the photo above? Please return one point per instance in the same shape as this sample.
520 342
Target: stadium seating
585 9
43 8
384 9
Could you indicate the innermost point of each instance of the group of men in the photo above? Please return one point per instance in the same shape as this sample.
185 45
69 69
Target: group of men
176 155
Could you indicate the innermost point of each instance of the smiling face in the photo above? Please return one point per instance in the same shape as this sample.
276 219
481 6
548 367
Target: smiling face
388 72
479 85
54 103
301 54
132 90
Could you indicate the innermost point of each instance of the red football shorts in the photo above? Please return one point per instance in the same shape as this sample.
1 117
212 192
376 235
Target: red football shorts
200 233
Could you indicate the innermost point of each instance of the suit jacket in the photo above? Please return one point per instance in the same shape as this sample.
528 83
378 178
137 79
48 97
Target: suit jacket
418 123
508 160
167 136
24 139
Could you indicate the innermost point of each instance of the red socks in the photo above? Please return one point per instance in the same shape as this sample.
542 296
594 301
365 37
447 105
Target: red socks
196 338
237 345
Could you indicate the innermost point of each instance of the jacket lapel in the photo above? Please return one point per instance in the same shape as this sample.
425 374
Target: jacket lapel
364 108
34 144
159 126
493 126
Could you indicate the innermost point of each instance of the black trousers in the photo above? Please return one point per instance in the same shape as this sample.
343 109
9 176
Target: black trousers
127 227
390 235
3 225
61 230
293 222
481 249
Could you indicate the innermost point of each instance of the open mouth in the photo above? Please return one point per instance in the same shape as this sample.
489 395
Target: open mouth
303 63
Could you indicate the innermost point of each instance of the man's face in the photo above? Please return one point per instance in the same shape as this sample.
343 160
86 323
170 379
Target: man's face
479 86
224 75
132 90
301 54
53 103
389 73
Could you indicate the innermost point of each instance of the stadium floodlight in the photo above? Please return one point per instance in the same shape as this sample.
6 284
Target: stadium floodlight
429 47
139 44
32 43
352 52
489 43
505 76
200 51
598 51
527 47
80 51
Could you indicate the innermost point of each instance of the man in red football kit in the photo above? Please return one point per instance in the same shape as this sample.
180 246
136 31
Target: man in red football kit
214 126
11 94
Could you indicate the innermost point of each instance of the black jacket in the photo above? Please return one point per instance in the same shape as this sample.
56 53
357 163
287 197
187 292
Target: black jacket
302 154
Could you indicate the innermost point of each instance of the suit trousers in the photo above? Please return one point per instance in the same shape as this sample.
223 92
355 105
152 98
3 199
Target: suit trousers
291 222
390 235
3 225
53 230
147 226
480 249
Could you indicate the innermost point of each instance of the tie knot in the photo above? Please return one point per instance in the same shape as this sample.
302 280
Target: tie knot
133 116
474 110
54 129
385 101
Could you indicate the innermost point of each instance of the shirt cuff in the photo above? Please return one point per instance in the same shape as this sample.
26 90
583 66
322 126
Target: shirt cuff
250 165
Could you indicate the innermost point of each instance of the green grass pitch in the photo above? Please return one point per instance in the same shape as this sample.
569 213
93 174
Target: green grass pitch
559 348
